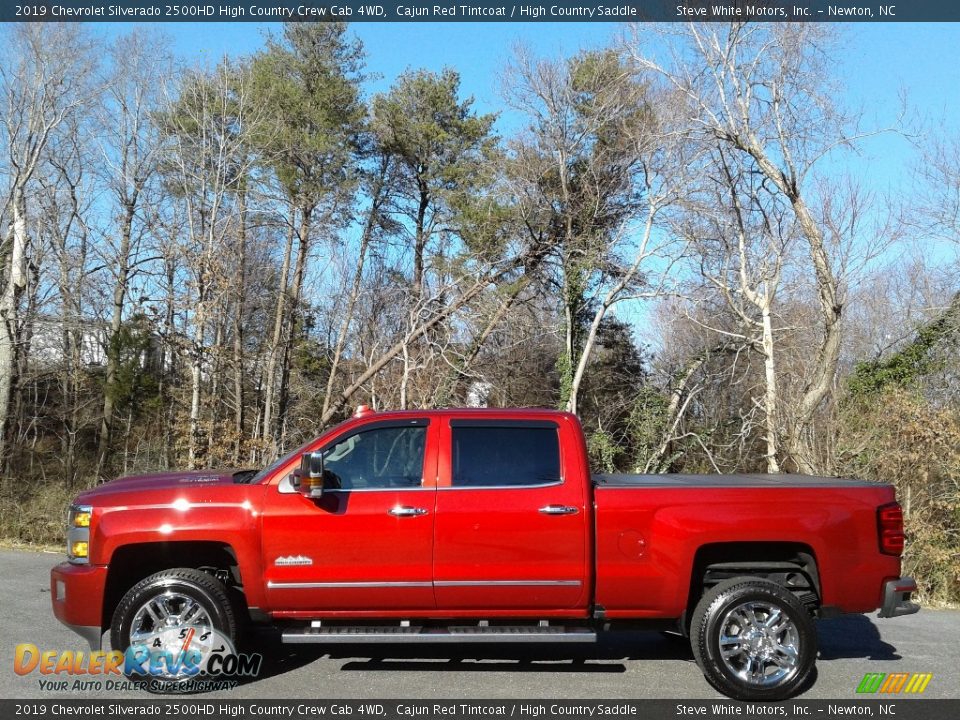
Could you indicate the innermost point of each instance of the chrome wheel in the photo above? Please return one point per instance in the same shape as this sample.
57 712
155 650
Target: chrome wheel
759 643
161 613
753 639
170 625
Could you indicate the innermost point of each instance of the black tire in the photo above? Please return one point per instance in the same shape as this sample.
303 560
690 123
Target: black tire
203 589
784 651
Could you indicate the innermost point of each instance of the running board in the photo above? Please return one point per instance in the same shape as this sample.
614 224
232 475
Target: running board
465 634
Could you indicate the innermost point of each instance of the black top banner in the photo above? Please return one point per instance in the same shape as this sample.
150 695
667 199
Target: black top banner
481 11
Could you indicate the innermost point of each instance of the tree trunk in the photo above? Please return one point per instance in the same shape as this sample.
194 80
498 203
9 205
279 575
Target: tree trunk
771 403
238 318
294 322
167 360
368 228
113 346
276 347
216 384
405 376
827 356
71 330
67 369
584 360
567 398
196 380
828 353
16 281
198 351
420 241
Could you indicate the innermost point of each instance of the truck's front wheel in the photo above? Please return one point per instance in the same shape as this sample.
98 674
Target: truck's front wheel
169 623
753 639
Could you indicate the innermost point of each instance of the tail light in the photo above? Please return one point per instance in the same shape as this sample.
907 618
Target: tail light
890 528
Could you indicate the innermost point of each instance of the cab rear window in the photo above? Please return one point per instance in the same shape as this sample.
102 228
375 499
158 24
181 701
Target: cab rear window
505 456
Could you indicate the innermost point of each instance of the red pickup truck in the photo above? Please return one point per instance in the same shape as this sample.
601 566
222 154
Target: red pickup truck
483 526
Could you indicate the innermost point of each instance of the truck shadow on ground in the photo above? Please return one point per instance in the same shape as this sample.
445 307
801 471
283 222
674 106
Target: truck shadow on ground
605 656
853 636
850 636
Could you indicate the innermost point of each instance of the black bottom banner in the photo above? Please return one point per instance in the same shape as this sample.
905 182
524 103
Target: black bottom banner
896 709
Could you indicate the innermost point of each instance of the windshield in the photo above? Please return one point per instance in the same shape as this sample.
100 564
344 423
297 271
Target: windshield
281 461
278 463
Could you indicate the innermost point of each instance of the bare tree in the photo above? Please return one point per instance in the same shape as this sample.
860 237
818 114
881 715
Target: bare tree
44 72
742 237
307 83
762 91
417 329
130 147
378 188
938 175
64 211
666 170
575 177
208 124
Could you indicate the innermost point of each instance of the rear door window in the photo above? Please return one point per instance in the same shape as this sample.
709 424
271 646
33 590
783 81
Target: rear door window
505 455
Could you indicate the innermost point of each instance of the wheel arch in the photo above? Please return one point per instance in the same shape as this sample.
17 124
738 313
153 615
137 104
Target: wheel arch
129 564
790 564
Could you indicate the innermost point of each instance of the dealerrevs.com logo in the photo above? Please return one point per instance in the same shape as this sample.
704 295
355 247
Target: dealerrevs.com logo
196 662
894 683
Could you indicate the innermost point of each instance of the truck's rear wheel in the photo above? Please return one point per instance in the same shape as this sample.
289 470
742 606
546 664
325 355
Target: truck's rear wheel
170 614
753 639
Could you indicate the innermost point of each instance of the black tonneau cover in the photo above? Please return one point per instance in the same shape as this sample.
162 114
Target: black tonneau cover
711 481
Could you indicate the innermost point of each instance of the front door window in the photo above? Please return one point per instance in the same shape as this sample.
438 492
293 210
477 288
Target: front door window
377 459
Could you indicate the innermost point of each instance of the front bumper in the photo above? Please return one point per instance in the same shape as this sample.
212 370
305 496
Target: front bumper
896 598
76 592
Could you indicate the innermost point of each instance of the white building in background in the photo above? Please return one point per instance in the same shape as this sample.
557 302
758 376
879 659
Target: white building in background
47 343
478 393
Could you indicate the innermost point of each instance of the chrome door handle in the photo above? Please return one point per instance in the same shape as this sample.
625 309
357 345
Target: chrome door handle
406 511
559 510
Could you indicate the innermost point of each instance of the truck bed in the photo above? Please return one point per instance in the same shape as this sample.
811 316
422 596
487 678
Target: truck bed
755 480
650 529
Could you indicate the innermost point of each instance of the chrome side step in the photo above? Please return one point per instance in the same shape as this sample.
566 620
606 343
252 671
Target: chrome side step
454 634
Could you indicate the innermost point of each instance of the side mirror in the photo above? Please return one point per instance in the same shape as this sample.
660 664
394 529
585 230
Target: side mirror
310 475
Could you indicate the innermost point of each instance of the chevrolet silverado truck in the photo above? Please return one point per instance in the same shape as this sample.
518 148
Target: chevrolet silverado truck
483 525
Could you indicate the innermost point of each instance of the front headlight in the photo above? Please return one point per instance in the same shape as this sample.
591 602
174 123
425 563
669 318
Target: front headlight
81 518
78 533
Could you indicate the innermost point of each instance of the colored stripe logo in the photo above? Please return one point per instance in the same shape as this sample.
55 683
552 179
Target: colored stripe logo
894 683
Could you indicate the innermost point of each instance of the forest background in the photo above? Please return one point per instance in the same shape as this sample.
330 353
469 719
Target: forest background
206 263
